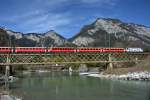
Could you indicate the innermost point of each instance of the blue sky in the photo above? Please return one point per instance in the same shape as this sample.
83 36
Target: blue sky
67 17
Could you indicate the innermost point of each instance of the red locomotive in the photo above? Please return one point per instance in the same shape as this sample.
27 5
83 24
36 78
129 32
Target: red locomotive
65 49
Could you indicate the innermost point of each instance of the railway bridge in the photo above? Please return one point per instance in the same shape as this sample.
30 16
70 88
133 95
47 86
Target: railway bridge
69 58
8 59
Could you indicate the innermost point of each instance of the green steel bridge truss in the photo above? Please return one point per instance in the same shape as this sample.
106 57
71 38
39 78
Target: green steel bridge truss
69 58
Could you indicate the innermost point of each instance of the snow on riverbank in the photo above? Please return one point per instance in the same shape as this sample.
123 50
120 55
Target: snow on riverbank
145 75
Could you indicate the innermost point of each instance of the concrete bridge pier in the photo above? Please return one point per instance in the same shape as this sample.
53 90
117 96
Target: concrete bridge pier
7 72
136 60
110 65
70 69
7 68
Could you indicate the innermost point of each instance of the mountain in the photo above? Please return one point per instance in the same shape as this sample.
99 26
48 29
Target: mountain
50 38
107 32
104 32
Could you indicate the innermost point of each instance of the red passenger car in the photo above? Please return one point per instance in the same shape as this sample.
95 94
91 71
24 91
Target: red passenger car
30 49
5 50
113 50
89 50
62 49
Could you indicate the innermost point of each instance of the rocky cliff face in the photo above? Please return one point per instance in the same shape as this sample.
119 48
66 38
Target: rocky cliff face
105 32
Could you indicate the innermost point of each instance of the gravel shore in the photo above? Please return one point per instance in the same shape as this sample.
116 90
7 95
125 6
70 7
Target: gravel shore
145 75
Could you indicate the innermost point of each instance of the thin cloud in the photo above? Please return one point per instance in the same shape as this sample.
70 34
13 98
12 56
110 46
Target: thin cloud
45 22
101 2
51 2
23 16
58 15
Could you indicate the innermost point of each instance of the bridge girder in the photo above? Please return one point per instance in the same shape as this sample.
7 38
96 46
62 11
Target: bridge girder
70 58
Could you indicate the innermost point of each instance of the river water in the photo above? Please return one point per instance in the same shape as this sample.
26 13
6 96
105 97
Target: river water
62 86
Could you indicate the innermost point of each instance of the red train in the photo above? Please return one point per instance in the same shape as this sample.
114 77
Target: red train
64 49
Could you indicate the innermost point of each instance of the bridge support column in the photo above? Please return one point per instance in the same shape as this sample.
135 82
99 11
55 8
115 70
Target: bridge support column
7 72
70 69
136 60
110 65
7 68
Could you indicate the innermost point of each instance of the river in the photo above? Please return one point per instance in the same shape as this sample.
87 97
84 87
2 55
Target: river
62 86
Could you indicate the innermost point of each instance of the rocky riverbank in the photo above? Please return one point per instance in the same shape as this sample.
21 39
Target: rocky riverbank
145 75
5 95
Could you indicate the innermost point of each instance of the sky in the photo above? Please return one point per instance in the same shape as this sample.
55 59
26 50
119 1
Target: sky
67 17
